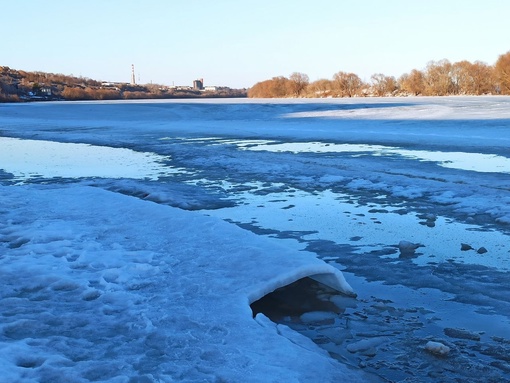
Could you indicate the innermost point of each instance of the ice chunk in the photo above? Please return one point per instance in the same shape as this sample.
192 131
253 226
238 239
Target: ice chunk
408 248
461 334
365 344
437 348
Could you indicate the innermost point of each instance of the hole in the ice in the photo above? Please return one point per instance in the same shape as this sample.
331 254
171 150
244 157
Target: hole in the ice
292 301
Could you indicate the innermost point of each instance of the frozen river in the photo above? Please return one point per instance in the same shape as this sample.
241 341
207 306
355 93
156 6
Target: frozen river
409 198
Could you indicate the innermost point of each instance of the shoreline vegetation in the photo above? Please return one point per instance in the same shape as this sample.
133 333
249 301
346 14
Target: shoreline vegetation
439 78
22 86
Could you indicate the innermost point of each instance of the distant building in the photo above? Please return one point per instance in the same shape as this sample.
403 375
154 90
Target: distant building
45 90
198 84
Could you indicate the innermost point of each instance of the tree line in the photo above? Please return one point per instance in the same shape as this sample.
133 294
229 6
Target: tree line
439 78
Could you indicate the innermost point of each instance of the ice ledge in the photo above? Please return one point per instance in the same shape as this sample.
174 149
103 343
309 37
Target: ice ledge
318 271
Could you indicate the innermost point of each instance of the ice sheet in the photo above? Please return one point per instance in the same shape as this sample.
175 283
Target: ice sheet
97 285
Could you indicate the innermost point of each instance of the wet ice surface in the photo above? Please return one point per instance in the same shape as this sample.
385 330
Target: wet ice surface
439 293
26 159
390 338
456 160
351 181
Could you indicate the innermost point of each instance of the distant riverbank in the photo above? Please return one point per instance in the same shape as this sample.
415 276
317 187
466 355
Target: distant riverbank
21 86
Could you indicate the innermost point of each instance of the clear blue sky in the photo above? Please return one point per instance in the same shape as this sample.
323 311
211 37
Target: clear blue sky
237 43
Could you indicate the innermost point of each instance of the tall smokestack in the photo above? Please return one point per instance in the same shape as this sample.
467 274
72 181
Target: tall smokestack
133 81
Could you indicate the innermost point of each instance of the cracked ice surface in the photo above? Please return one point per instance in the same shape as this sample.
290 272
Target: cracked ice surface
345 179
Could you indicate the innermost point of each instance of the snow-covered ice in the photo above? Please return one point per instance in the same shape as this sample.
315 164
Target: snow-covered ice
134 236
97 286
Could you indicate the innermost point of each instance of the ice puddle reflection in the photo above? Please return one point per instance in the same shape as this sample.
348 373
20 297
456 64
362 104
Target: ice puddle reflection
477 162
365 227
385 330
33 159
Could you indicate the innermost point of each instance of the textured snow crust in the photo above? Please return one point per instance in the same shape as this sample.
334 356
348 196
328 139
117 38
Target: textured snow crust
98 286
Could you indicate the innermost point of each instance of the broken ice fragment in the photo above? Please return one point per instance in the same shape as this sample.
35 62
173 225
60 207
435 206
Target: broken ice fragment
437 348
408 248
461 334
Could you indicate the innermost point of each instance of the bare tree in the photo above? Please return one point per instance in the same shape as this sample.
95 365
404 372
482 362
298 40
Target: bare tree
276 87
298 83
347 84
383 85
412 83
438 81
281 87
502 72
320 88
461 80
483 78
472 78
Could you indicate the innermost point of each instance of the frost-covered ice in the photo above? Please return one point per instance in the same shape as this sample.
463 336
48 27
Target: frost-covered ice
109 276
